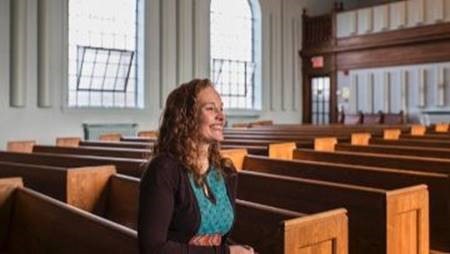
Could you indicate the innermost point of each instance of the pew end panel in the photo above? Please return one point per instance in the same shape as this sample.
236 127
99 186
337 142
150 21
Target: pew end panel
441 127
7 189
367 206
237 156
325 232
282 150
148 134
68 141
271 229
408 220
360 139
87 187
260 123
24 146
391 134
123 200
418 130
261 226
325 144
110 137
38 177
40 224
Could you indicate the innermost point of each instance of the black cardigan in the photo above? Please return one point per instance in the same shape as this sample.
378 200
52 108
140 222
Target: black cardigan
169 215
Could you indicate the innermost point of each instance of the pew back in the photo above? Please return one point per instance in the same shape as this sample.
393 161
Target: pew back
39 224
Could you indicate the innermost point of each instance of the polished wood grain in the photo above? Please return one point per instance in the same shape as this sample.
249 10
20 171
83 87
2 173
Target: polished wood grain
39 224
21 146
366 235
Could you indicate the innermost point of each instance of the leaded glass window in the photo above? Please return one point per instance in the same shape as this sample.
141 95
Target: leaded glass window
233 65
102 53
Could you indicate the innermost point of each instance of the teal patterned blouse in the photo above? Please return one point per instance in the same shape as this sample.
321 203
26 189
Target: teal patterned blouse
214 218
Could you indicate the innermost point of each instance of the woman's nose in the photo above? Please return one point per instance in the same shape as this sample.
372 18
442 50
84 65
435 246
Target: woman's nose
220 115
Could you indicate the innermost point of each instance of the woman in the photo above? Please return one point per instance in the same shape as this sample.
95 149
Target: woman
187 192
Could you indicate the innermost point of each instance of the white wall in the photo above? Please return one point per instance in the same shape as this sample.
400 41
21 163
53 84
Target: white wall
422 91
176 50
392 16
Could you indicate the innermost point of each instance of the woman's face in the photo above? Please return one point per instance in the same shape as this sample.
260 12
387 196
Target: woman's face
211 117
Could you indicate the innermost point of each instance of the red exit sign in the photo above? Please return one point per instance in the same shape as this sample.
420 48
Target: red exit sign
317 61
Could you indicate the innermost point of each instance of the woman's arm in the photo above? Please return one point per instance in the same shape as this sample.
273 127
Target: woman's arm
156 206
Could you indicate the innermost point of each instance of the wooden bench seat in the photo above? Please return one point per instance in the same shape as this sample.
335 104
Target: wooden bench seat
95 151
36 223
380 221
376 177
132 167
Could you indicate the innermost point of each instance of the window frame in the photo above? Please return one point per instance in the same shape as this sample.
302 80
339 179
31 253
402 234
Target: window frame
141 99
256 47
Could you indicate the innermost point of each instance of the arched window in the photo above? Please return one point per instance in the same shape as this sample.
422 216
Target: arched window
102 50
235 52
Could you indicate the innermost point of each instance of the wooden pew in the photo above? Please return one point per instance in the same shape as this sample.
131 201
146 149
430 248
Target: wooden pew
81 187
400 150
372 118
24 146
148 134
377 160
258 150
110 137
380 221
95 151
384 178
139 139
438 136
327 129
116 144
35 223
412 142
315 230
273 230
68 141
98 190
131 167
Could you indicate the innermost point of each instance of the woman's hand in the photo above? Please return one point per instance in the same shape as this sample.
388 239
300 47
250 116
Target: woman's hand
241 249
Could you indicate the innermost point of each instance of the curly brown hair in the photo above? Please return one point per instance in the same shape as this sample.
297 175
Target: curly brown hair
179 129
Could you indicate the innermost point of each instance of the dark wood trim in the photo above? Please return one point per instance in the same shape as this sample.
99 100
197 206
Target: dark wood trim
424 44
393 56
371 5
406 36
306 99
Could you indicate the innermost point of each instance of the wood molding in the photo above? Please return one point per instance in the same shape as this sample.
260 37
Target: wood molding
414 35
407 36
430 52
370 5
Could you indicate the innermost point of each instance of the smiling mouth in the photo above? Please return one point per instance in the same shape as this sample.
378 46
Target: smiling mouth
217 127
